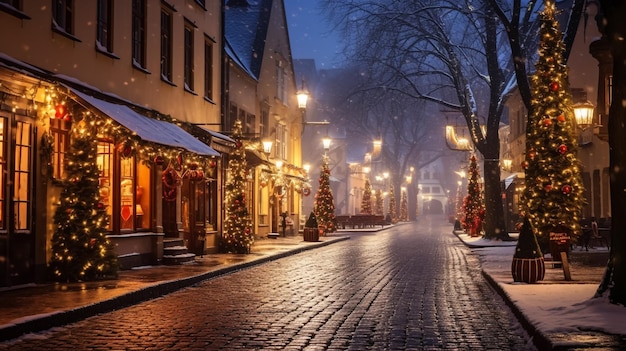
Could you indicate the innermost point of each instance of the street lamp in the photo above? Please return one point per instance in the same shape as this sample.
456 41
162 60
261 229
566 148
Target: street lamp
326 143
583 111
267 146
303 96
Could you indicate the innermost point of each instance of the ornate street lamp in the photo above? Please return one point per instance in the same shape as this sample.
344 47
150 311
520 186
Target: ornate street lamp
583 111
267 146
302 96
326 143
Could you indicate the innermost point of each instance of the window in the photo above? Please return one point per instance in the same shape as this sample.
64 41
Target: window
264 125
139 33
104 34
166 45
280 81
281 141
22 186
208 69
436 190
13 8
125 189
188 51
60 130
105 180
62 15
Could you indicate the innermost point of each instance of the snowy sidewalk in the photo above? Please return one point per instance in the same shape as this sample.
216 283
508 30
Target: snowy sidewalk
558 314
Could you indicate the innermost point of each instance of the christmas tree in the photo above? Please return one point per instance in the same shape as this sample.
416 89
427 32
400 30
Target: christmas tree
393 213
80 248
366 201
237 237
324 206
379 203
553 194
404 207
473 205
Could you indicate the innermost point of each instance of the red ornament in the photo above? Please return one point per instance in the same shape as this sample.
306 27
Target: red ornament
562 149
60 112
238 144
179 159
566 189
212 164
125 150
247 230
92 242
561 118
159 160
547 122
100 206
554 86
547 187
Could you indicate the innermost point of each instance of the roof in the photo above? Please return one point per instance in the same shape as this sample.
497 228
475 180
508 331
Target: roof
246 26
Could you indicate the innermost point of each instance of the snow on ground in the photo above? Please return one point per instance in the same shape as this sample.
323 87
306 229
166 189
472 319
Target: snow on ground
551 306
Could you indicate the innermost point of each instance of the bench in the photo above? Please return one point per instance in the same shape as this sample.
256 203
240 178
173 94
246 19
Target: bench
360 221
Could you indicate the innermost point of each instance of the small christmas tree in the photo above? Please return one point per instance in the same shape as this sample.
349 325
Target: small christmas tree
237 237
80 248
366 201
379 203
404 207
473 205
393 213
527 246
553 195
324 207
311 222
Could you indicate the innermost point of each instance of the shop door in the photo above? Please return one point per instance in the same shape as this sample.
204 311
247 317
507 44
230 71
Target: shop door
193 214
16 192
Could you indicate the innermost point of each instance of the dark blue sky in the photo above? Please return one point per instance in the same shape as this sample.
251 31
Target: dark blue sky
311 34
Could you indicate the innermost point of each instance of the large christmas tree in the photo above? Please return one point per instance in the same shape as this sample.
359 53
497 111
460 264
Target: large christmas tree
237 237
393 212
404 207
552 197
366 201
379 203
324 204
473 204
80 248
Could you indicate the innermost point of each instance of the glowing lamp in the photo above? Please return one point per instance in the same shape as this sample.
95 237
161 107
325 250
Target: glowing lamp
583 111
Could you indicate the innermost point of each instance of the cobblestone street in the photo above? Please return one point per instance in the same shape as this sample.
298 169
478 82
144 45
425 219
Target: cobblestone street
411 287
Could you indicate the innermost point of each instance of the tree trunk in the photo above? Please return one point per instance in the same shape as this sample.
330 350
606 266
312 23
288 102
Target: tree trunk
494 216
615 278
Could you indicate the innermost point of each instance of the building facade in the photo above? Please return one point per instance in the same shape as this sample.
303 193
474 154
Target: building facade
147 72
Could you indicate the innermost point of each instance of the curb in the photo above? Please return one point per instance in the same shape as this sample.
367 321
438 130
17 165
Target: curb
540 341
46 321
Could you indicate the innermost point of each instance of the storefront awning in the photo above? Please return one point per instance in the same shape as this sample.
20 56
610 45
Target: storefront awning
148 129
254 159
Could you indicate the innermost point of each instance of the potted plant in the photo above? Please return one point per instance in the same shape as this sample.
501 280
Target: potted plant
311 231
528 265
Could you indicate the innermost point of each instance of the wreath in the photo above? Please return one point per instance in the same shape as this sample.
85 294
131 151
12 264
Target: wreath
170 179
306 191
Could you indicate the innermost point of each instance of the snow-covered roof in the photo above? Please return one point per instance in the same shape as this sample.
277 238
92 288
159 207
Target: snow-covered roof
148 129
245 32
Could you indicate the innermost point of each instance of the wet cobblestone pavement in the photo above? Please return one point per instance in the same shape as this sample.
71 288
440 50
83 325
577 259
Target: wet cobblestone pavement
405 288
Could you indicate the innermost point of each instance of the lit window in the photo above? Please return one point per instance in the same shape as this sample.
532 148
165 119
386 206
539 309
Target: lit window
188 56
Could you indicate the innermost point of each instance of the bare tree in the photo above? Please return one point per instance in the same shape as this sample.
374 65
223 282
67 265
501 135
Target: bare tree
446 53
